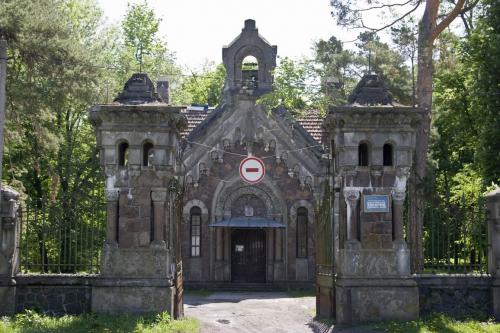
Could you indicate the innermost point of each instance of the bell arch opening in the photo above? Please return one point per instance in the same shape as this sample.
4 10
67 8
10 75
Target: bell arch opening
250 72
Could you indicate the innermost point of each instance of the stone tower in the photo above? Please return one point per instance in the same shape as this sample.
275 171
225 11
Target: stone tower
138 137
258 80
372 143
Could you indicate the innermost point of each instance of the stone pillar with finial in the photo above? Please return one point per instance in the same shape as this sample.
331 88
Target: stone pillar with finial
136 136
374 140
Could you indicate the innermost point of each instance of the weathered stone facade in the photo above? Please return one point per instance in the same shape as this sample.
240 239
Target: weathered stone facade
10 225
138 141
214 149
372 142
493 213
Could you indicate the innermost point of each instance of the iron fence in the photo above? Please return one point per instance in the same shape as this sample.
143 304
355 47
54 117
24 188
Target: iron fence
455 237
62 236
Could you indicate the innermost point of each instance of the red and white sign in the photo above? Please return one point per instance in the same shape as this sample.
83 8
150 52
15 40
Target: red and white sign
252 170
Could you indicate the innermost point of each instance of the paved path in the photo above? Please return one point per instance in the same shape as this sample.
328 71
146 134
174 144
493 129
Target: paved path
259 312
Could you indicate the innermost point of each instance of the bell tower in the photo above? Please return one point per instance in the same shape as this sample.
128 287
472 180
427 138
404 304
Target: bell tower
249 61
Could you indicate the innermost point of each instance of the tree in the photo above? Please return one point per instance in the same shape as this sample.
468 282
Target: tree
291 88
338 69
140 27
54 75
404 36
481 57
203 87
432 23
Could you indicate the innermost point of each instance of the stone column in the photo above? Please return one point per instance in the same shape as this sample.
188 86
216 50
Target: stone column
219 244
493 213
277 245
352 199
159 198
9 245
398 199
112 197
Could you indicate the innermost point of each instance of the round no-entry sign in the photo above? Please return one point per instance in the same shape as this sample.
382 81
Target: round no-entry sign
252 170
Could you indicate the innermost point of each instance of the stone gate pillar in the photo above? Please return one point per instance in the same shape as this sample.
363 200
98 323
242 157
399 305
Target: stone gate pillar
137 137
493 215
372 144
10 224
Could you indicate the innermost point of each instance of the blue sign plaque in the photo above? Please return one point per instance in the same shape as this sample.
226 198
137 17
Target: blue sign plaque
376 204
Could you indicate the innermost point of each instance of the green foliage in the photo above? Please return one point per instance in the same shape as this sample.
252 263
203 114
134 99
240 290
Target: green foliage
139 44
438 323
337 68
33 322
481 58
140 27
203 87
291 89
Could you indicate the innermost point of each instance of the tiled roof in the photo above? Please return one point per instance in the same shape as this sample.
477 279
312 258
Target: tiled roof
311 122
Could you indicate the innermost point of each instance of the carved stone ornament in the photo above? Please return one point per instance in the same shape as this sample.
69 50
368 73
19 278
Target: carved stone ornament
351 195
398 196
159 195
112 195
403 171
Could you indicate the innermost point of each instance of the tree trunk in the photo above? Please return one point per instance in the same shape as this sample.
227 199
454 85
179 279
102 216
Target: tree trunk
424 100
3 96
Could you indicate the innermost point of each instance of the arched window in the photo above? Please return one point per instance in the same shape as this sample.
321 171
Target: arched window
250 72
363 154
123 154
302 232
195 232
147 154
388 154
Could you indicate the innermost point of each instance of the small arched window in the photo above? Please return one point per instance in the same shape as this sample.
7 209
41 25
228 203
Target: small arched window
363 154
302 232
250 72
195 231
123 154
388 154
147 154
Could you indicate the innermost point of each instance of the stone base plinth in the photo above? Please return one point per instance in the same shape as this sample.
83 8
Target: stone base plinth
356 262
495 294
325 296
134 296
7 296
361 300
152 261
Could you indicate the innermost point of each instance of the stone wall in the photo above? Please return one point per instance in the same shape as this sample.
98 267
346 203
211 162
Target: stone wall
55 295
455 295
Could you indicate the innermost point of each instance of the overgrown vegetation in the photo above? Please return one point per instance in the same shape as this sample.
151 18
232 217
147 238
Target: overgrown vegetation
438 323
31 322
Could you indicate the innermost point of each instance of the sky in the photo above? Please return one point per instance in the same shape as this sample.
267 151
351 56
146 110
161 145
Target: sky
196 30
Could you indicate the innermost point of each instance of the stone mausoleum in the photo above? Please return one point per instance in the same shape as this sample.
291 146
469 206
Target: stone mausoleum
234 231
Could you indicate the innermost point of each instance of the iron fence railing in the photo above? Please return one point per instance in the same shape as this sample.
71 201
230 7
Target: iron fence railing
455 237
59 236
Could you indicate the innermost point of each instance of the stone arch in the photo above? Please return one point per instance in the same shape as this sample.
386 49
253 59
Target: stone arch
186 210
225 195
254 51
301 203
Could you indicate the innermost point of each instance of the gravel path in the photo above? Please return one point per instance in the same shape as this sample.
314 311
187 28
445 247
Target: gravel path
259 312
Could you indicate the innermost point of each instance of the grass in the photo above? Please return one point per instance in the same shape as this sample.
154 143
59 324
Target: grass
297 293
437 323
32 322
